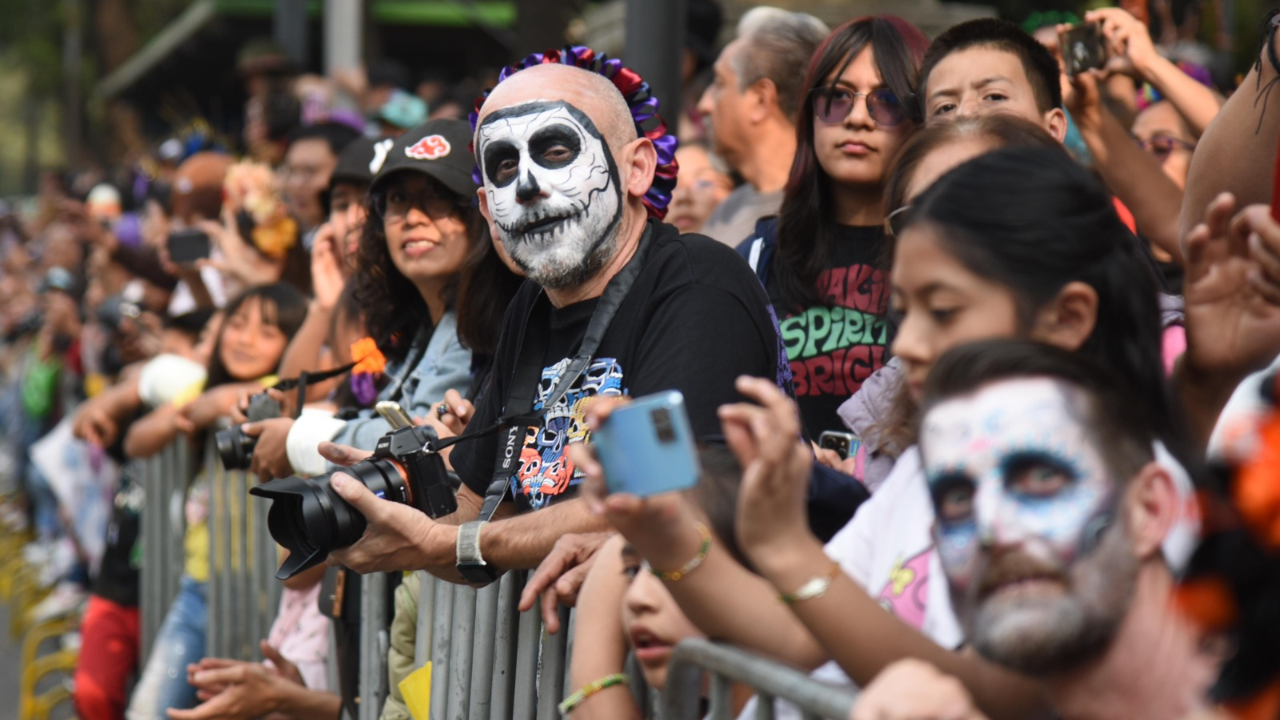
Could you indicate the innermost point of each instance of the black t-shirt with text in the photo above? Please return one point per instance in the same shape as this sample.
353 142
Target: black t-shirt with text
834 346
694 320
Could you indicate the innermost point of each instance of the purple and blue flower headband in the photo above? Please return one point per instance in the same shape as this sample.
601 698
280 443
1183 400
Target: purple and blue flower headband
640 100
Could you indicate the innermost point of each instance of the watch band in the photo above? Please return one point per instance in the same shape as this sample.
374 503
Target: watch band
470 563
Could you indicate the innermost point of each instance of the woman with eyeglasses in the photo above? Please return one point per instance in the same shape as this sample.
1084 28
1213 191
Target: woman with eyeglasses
819 259
1166 135
431 283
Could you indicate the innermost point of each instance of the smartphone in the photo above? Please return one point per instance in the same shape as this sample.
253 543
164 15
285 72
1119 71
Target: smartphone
647 447
188 246
844 443
1084 48
393 414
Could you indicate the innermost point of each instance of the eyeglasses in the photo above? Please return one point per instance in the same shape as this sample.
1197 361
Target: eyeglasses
395 204
896 220
1162 146
832 105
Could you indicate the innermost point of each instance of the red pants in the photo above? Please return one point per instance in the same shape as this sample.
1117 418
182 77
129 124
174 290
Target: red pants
109 638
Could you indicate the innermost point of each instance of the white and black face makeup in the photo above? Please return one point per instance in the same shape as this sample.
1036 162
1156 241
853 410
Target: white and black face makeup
552 189
1024 499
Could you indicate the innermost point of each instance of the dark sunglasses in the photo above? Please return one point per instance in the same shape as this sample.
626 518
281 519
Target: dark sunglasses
395 204
1162 146
832 105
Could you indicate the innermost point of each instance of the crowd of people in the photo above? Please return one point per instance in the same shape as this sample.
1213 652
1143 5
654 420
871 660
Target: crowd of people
973 342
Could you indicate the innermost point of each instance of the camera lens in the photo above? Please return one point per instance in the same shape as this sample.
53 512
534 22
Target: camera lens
234 448
310 520
662 425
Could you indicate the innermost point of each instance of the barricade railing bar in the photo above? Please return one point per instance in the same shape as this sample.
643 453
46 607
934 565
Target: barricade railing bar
243 591
163 479
489 661
771 680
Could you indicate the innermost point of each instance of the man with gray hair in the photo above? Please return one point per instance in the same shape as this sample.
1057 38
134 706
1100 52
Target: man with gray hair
752 105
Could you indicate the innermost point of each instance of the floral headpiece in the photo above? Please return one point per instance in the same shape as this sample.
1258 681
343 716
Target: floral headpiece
1232 586
369 366
640 100
249 192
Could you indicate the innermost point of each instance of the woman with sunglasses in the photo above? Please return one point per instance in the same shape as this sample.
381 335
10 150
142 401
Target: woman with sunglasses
820 258
424 249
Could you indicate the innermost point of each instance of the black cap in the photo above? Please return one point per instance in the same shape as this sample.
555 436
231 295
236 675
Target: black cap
356 162
440 149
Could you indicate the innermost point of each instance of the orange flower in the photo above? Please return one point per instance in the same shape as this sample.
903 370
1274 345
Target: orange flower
276 238
369 359
1257 487
1207 601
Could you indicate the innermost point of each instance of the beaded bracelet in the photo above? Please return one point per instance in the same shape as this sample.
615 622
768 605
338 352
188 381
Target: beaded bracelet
572 702
703 550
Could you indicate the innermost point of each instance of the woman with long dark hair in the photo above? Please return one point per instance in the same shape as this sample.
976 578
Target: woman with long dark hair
819 259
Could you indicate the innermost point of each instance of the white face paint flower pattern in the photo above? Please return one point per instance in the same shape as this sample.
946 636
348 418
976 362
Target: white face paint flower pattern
552 189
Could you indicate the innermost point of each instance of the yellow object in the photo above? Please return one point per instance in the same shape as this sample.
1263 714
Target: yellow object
95 383
416 689
35 668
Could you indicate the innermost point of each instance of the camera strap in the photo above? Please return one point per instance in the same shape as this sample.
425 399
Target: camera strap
519 413
300 383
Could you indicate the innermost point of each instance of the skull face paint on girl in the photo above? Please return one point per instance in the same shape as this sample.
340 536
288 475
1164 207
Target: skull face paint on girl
552 189
1023 499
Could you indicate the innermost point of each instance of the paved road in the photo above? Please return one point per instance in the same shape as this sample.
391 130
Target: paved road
9 670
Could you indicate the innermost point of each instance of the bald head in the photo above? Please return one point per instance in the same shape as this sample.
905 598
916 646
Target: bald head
594 95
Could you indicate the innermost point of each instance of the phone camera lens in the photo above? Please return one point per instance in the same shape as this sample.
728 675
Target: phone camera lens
662 425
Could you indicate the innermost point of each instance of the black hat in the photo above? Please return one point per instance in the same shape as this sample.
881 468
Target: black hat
356 162
440 149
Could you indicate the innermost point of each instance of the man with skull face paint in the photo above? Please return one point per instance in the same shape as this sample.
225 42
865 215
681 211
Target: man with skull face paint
1051 512
568 189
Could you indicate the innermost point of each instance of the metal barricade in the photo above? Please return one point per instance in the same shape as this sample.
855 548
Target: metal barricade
243 591
771 679
163 479
488 660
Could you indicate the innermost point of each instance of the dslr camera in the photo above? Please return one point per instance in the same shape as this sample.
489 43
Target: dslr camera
234 447
310 520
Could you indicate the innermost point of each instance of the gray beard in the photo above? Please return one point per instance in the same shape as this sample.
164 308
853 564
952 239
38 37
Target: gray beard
568 257
1069 632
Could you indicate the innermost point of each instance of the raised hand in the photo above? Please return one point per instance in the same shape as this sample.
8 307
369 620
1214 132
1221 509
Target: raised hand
1232 290
1129 43
326 267
772 510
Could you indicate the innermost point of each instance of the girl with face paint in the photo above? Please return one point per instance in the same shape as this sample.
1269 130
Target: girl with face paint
820 259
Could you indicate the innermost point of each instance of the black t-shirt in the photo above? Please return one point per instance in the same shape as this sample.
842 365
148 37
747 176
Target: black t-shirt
695 319
833 347
118 576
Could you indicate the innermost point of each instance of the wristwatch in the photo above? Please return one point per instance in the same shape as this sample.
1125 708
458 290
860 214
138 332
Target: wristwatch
470 564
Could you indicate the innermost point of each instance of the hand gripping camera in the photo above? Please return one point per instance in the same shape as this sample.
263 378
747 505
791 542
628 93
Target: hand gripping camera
310 520
234 447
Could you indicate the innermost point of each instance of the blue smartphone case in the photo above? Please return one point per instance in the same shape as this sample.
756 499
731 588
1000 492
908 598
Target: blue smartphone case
647 447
